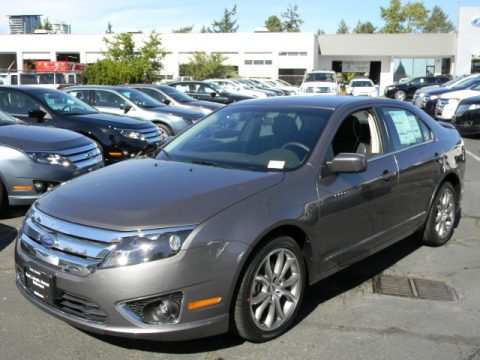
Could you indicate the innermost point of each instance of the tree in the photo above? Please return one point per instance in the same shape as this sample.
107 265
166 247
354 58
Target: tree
342 28
123 63
109 28
205 29
203 66
184 29
364 28
274 24
438 22
291 19
393 16
415 16
45 25
227 24
320 32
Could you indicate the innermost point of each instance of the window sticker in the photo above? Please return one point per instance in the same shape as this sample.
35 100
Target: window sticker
276 164
407 127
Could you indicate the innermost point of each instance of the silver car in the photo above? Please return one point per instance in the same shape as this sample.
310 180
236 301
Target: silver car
131 102
34 159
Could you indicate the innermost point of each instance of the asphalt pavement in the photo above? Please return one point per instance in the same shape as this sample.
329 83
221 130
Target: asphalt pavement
341 317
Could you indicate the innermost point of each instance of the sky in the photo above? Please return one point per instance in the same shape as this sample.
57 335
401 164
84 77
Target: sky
92 16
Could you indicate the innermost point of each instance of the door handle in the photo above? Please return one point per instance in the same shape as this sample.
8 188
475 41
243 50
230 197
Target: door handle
387 175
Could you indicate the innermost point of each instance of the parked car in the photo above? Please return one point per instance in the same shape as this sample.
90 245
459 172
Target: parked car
265 85
205 91
448 102
33 160
233 87
418 96
430 99
123 100
467 116
118 137
172 97
405 91
237 215
258 85
361 87
320 82
286 88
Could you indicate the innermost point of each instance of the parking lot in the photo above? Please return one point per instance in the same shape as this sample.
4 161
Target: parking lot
341 317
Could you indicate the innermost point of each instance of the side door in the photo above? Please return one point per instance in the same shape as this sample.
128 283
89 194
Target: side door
419 161
108 102
356 211
82 94
24 107
187 88
416 84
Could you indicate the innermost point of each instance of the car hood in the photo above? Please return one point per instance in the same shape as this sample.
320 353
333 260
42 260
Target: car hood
427 89
206 104
116 121
35 138
176 111
459 94
236 97
150 194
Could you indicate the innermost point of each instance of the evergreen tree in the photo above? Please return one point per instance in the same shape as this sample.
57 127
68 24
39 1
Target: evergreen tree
291 19
227 24
343 28
274 24
438 22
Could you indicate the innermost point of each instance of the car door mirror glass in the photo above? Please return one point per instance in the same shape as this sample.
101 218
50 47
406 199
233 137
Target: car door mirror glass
38 114
125 107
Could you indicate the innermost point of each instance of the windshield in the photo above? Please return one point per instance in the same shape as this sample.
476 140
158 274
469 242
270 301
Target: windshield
467 82
361 83
65 104
176 94
6 119
216 88
141 99
251 138
328 77
454 81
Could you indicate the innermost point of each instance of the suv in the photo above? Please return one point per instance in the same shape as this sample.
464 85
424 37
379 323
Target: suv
118 137
123 100
203 90
36 159
406 90
319 82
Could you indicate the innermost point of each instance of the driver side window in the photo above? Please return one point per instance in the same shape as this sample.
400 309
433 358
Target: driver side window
358 133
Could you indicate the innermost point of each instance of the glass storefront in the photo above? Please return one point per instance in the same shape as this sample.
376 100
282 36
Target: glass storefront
413 67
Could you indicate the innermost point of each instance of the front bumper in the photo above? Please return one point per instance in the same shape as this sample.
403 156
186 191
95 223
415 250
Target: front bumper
196 273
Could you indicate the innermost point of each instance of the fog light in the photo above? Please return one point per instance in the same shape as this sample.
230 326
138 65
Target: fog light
164 311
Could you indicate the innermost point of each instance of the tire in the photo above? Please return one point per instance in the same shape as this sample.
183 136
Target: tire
400 95
259 303
3 197
441 219
165 129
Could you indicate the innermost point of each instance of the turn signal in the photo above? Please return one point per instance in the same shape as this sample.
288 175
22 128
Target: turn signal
203 303
21 187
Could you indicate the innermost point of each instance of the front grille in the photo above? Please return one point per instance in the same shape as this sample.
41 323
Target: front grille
83 157
151 135
81 307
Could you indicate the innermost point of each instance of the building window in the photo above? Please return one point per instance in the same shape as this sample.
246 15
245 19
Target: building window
292 76
258 62
413 67
475 65
292 53
248 62
268 62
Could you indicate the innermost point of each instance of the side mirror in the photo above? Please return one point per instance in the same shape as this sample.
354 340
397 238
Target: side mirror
38 114
348 163
166 101
125 107
213 94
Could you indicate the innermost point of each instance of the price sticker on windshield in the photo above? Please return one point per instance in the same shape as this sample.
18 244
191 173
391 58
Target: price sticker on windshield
276 164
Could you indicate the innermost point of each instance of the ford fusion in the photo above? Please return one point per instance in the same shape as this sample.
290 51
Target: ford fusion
33 160
237 215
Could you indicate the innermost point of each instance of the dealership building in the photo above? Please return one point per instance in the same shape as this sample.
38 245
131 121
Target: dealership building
385 58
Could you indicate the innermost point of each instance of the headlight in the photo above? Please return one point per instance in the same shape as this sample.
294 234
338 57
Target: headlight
433 97
49 158
474 107
132 134
147 247
453 101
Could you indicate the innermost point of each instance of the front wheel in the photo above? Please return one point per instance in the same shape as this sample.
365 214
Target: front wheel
271 291
164 130
441 219
400 95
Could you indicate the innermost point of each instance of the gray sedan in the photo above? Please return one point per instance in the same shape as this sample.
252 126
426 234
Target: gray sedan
33 159
237 215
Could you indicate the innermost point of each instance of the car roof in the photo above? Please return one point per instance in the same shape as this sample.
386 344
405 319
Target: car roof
102 87
28 88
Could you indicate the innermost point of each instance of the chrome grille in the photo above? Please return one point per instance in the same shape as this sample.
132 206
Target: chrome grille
83 157
151 135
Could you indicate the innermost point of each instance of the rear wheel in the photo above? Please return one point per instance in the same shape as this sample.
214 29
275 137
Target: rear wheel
400 95
441 219
271 291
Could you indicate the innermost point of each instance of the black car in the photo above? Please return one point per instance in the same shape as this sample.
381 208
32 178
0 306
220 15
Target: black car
118 137
429 101
173 97
467 116
406 90
202 90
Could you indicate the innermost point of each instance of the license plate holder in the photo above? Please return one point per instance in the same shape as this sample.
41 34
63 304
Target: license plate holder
39 283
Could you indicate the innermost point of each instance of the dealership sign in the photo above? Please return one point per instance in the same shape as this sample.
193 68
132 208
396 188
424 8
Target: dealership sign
356 66
476 21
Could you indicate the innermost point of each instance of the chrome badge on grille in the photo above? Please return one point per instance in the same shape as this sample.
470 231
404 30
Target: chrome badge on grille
47 240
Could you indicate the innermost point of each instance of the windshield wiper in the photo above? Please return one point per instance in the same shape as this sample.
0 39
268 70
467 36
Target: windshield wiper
205 162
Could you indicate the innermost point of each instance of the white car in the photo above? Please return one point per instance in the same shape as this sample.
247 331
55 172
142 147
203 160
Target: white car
361 87
235 87
447 103
319 82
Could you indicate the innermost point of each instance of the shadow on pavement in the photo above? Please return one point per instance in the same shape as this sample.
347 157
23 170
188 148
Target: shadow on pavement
13 212
7 236
321 292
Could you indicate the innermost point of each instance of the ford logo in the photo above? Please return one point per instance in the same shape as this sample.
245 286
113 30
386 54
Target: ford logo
476 21
47 240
